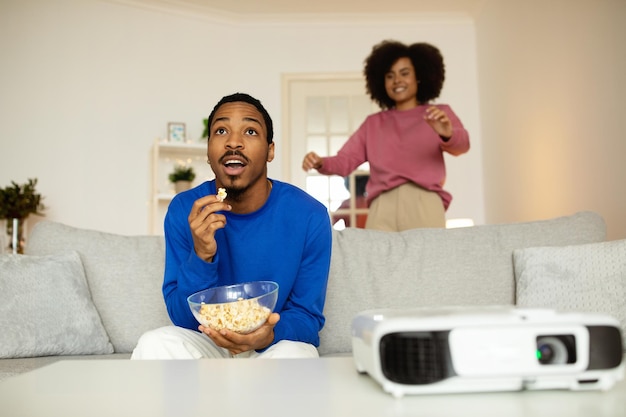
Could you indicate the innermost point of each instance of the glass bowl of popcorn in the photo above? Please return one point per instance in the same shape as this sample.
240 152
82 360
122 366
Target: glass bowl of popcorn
240 308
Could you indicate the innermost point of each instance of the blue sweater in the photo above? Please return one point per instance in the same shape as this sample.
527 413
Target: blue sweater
288 240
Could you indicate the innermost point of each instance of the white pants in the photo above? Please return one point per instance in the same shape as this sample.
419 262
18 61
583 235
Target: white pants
172 342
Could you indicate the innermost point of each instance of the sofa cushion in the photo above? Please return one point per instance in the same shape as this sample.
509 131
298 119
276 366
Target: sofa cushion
586 278
434 267
124 273
46 308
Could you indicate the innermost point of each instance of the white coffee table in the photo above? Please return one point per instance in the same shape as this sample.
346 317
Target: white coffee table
271 387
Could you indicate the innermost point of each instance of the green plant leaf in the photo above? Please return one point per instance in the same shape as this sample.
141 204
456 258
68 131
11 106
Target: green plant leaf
182 173
19 201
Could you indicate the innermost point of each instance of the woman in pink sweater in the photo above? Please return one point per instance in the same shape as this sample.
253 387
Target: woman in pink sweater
404 143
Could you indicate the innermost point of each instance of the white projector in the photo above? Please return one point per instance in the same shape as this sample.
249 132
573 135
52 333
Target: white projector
446 350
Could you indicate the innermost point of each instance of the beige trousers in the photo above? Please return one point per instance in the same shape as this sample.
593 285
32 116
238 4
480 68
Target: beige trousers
407 206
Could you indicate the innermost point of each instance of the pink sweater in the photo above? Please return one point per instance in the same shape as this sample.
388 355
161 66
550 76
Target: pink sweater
400 147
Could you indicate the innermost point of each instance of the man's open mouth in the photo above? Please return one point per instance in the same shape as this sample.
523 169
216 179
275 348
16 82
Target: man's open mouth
234 165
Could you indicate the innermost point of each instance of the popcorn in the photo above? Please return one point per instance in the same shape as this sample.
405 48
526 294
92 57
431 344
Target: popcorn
221 194
241 316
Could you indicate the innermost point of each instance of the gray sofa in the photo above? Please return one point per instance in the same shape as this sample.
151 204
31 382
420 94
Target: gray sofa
114 289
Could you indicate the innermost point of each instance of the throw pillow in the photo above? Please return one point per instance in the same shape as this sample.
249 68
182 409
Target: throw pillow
585 278
124 275
46 308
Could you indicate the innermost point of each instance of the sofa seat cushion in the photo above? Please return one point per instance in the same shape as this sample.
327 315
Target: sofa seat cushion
588 278
434 267
124 273
46 308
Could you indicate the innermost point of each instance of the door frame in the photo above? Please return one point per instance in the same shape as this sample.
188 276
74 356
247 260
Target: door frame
286 85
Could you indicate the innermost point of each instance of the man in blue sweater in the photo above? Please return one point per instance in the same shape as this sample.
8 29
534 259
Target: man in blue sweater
264 230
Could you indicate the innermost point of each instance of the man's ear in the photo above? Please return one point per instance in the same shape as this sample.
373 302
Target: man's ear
270 152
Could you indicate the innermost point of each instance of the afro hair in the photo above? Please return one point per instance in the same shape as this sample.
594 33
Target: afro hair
426 59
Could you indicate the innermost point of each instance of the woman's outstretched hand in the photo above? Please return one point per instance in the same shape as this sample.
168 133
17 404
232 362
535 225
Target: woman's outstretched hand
312 161
439 121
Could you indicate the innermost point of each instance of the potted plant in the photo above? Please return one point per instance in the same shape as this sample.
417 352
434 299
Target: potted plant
17 202
182 176
205 132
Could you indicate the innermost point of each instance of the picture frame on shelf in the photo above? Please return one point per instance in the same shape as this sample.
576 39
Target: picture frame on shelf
176 132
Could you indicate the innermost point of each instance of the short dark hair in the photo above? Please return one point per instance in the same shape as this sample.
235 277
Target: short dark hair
426 59
246 98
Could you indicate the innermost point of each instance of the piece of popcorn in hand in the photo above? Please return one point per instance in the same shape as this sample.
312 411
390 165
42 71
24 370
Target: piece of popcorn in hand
221 194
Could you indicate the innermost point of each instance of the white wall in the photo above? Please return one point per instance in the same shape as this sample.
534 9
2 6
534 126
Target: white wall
552 88
86 87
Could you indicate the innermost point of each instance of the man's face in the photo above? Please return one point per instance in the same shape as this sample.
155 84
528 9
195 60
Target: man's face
237 149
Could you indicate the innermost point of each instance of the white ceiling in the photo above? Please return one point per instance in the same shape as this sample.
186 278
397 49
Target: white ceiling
318 8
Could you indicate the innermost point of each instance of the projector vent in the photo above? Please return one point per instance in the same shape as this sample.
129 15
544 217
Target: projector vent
605 347
415 358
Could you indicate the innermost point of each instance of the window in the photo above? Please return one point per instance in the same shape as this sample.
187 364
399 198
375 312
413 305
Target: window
322 111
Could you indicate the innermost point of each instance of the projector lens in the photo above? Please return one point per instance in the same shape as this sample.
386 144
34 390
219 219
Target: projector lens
552 350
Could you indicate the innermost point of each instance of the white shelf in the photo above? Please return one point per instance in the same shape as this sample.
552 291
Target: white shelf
183 147
165 196
165 156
